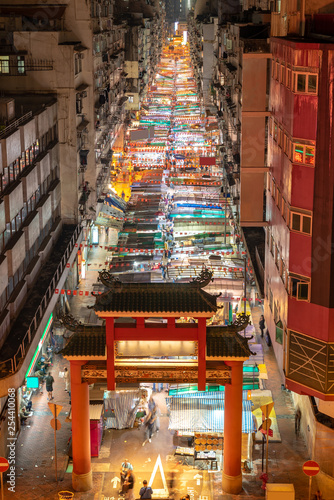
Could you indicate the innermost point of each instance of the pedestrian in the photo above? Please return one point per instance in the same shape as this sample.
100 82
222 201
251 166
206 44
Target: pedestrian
262 325
298 417
49 385
151 403
125 467
317 495
67 379
157 412
149 426
145 491
128 485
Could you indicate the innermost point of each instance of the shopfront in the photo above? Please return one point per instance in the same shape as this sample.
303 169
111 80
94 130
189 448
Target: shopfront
38 366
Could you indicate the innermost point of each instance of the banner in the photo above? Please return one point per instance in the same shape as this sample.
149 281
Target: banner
207 160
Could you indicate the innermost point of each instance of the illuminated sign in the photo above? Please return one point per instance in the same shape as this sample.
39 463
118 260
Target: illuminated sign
40 343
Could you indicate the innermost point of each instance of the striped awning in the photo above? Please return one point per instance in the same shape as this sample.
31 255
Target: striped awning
204 414
205 394
120 409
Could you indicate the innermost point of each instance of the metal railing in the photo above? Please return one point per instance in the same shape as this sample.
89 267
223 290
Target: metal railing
15 124
11 365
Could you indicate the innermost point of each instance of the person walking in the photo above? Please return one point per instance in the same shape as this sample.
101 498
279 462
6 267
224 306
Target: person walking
145 491
149 426
156 426
298 416
67 379
262 325
49 385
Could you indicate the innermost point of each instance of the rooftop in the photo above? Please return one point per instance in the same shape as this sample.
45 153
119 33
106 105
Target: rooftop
89 341
169 299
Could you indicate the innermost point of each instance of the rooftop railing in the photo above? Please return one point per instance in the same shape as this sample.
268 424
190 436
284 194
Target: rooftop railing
13 126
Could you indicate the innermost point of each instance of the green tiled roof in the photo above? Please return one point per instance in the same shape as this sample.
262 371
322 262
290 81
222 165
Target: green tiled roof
156 298
80 344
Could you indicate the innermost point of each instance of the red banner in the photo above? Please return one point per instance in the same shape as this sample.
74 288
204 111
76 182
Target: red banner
207 160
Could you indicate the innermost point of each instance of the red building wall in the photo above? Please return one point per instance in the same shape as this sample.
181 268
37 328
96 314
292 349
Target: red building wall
305 119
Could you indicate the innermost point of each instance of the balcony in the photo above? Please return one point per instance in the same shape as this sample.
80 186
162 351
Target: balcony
255 46
13 353
18 66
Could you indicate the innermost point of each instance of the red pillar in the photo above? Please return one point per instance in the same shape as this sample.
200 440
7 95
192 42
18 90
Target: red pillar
110 340
82 471
232 477
201 336
170 322
140 322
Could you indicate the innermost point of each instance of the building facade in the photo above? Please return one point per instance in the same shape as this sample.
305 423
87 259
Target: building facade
299 238
37 251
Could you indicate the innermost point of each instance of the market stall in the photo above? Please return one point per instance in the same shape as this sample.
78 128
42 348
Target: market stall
198 417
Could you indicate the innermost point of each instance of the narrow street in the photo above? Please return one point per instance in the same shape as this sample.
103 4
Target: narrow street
179 218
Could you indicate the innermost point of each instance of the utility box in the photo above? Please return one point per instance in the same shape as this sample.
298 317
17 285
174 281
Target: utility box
276 491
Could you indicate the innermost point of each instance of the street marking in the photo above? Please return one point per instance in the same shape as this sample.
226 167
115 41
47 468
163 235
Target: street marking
162 492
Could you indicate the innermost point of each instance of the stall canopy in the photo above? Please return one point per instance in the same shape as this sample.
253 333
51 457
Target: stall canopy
120 409
204 414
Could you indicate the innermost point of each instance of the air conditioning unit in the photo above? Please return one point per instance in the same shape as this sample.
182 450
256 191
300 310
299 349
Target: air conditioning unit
83 94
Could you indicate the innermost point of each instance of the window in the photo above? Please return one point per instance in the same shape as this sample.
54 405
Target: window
77 64
268 235
300 222
301 83
299 287
277 257
285 209
271 300
305 83
312 84
276 70
16 168
11 172
275 132
304 154
288 78
278 199
282 271
4 64
279 332
273 189
20 65
282 77
78 103
27 157
36 148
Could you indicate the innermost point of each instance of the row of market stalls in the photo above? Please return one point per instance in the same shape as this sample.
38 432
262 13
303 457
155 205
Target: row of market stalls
179 219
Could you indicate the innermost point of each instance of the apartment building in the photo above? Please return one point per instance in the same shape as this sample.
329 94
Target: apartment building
37 251
75 51
62 112
299 236
143 45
